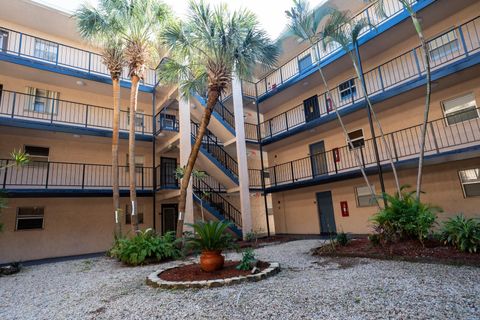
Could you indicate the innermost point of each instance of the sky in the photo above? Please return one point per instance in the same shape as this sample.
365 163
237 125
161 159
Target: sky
271 13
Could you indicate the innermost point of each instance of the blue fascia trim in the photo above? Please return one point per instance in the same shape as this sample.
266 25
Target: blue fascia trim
452 68
400 17
20 123
354 173
67 71
227 172
69 193
215 114
217 214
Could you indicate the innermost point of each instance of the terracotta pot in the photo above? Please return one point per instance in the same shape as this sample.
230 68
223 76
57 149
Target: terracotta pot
211 261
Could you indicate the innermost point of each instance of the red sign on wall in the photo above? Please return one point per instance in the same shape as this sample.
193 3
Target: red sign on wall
336 155
329 105
344 208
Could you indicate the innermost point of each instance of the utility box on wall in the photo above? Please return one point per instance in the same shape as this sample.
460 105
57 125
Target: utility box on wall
344 208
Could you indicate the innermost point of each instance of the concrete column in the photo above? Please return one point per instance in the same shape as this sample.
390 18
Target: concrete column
185 149
241 155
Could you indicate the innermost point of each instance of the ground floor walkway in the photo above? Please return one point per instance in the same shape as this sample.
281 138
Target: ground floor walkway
306 288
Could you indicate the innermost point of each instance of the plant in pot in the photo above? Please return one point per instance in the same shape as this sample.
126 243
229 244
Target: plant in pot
210 238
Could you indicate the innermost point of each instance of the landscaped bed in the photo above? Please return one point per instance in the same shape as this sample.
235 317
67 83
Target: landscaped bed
409 250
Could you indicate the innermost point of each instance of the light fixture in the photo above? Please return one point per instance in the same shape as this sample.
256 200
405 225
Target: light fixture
76 136
305 83
80 83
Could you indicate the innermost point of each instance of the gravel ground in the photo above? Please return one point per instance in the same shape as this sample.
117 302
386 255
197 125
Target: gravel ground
306 288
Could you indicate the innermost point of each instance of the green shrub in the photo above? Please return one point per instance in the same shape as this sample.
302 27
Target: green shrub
210 236
462 233
342 239
248 260
144 247
251 236
404 218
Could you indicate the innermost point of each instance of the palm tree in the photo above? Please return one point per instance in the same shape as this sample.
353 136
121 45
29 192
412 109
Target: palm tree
407 5
304 24
95 25
340 28
135 23
205 51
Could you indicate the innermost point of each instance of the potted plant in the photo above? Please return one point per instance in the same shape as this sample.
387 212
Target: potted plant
210 238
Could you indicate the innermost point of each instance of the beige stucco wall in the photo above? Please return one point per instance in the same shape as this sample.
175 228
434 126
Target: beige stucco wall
296 211
72 226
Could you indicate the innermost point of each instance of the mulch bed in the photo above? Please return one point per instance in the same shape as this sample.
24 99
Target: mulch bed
192 272
411 250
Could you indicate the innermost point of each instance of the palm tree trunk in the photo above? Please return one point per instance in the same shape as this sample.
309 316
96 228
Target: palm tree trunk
345 132
426 112
115 172
211 102
131 152
379 126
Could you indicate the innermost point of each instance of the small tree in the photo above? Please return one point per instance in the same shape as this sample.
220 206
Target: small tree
205 51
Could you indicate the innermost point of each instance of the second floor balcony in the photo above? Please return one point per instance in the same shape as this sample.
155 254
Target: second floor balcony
29 110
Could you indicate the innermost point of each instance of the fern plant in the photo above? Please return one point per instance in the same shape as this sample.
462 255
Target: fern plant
462 233
210 236
145 246
404 217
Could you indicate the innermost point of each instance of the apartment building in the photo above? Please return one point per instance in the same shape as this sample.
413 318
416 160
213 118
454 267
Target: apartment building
275 157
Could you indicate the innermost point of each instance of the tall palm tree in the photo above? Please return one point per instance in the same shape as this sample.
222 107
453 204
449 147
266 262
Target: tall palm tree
205 50
407 5
135 22
304 24
340 28
95 25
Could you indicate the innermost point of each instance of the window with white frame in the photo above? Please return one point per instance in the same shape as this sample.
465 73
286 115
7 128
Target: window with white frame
357 138
41 100
37 154
347 89
364 196
460 109
470 179
29 218
45 50
443 47
128 214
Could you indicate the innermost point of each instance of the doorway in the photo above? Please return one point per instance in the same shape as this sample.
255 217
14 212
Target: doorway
169 217
326 213
167 172
318 159
312 110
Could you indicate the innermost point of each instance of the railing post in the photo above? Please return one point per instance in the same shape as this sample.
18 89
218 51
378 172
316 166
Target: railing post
434 137
58 51
52 110
89 62
335 159
14 103
20 44
417 62
291 168
48 173
270 126
83 176
5 172
143 179
394 146
381 77
275 174
281 75
462 38
86 116
286 120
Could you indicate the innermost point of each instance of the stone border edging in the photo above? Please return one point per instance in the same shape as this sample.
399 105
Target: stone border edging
155 281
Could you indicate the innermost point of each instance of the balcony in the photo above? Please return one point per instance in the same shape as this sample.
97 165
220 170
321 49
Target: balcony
61 115
454 134
450 52
70 178
52 56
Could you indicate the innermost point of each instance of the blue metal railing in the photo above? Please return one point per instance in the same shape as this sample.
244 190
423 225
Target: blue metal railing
21 106
66 175
166 121
34 48
444 49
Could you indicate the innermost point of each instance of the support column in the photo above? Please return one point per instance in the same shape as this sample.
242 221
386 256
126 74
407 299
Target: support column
241 155
185 149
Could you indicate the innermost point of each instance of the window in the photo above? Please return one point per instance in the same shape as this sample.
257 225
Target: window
470 180
29 218
3 40
364 196
139 163
304 63
357 138
41 100
444 46
139 118
460 109
128 214
45 50
347 89
37 154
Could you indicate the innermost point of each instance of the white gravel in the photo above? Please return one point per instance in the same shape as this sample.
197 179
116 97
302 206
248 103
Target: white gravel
306 288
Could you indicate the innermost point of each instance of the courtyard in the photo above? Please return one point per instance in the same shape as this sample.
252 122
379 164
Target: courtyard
308 287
